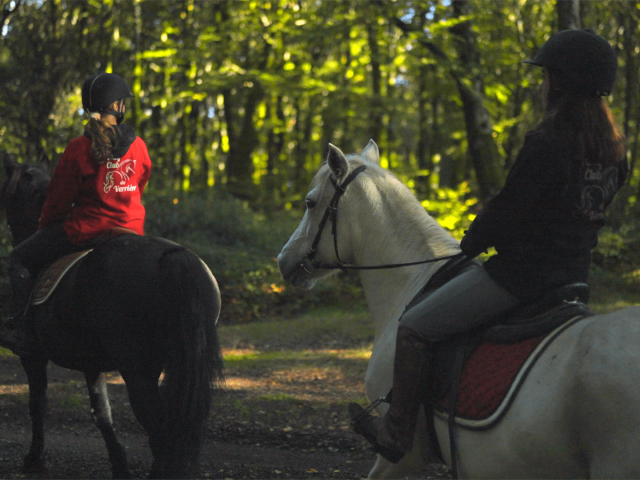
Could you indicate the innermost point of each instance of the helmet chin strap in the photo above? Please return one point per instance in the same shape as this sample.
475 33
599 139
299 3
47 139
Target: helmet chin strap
118 115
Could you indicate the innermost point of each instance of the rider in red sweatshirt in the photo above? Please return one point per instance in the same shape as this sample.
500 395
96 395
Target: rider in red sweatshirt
96 187
90 198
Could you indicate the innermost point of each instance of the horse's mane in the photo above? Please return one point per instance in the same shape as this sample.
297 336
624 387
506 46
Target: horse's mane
387 192
8 187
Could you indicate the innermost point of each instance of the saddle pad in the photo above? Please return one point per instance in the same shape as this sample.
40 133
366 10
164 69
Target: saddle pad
491 378
50 278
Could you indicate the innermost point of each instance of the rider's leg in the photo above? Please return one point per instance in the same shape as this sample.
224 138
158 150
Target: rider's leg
25 261
467 301
412 359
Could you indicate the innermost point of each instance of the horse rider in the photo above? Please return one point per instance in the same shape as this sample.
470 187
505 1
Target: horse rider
543 224
96 187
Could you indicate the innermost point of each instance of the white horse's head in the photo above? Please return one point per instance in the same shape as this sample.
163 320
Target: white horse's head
294 259
379 221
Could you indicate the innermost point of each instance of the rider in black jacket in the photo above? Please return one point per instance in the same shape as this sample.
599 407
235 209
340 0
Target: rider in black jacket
543 224
544 221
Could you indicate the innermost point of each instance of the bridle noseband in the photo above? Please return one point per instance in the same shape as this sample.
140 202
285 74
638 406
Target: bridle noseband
308 263
330 212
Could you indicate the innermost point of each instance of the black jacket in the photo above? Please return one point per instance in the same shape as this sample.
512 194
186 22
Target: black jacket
544 221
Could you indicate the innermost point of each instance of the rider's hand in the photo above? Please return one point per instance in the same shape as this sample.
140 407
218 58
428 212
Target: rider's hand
472 245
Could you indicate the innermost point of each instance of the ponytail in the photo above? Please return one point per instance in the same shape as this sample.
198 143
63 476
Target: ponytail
104 137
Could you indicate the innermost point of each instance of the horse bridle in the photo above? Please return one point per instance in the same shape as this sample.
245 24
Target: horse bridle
308 263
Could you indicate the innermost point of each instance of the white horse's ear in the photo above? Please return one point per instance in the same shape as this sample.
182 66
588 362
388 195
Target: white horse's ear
371 153
337 162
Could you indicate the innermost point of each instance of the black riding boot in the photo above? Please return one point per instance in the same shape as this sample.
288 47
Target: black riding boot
16 334
392 435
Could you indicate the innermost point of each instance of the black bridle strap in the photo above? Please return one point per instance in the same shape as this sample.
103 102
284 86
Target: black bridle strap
332 211
330 266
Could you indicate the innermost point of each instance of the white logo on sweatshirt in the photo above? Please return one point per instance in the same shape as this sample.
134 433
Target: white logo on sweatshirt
120 174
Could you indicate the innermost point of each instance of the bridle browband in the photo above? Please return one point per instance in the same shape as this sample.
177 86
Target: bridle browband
332 212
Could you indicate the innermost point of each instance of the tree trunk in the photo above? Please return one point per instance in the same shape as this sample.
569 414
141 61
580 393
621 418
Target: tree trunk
275 144
239 160
568 12
376 81
481 144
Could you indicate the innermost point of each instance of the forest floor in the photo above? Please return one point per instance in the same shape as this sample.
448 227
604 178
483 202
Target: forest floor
282 414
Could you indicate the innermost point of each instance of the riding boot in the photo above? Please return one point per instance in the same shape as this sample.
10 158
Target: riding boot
412 359
392 436
16 334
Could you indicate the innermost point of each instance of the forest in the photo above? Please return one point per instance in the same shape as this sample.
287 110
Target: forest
238 100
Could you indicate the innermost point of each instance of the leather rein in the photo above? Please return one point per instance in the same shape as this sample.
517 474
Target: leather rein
309 262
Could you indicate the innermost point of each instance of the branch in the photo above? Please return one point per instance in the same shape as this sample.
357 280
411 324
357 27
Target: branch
434 49
7 12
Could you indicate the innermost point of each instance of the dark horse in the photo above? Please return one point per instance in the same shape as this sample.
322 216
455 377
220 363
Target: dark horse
138 305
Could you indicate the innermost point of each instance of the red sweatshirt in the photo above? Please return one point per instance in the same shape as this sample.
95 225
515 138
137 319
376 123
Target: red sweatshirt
91 198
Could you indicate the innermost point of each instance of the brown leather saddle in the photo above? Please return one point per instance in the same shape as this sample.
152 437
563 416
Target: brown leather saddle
51 276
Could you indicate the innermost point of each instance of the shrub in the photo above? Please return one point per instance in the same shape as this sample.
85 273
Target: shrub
241 247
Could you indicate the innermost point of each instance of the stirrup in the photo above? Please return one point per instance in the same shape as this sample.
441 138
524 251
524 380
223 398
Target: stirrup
363 424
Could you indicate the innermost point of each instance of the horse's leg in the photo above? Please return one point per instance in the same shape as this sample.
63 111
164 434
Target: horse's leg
36 369
101 414
144 397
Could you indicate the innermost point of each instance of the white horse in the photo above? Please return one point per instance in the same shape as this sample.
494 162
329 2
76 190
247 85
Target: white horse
577 414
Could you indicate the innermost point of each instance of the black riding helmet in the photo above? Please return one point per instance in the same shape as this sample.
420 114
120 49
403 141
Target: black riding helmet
586 59
99 91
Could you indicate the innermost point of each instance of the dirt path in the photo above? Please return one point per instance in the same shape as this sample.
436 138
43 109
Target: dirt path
282 423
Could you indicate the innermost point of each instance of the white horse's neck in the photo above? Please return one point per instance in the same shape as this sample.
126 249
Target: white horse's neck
398 236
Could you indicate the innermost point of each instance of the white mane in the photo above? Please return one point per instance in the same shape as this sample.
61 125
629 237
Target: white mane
387 196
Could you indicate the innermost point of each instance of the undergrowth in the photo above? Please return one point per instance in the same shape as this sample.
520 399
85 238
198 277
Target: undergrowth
241 247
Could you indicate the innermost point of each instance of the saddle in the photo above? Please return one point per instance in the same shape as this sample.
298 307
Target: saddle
50 277
475 376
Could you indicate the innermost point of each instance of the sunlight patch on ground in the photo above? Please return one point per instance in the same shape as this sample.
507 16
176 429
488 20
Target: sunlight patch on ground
14 389
245 354
325 375
318 375
325 385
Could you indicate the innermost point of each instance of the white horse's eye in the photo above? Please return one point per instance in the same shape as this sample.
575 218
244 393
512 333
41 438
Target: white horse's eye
310 203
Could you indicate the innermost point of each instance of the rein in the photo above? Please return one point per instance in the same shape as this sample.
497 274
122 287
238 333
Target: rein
308 263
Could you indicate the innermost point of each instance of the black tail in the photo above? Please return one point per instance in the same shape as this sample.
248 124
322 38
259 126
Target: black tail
194 369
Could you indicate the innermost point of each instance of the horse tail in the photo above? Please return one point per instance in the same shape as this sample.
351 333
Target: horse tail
194 367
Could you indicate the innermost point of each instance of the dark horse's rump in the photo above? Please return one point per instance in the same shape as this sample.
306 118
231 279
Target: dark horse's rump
138 305
119 303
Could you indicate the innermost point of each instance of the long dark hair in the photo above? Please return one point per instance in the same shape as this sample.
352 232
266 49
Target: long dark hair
104 137
582 124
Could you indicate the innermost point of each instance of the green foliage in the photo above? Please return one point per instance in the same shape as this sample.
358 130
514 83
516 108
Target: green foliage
243 97
240 247
618 251
317 326
452 208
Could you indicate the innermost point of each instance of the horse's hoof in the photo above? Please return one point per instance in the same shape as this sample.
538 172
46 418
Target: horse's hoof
34 465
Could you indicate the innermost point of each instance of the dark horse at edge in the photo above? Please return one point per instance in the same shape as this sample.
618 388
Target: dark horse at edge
137 305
